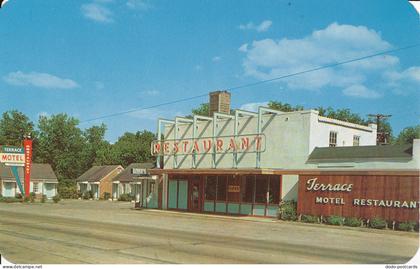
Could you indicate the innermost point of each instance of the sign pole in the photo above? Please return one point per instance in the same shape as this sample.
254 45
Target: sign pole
27 144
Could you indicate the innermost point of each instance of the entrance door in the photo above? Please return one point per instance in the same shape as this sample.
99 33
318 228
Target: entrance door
195 196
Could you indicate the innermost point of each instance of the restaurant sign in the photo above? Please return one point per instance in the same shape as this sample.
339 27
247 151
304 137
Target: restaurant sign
222 144
312 185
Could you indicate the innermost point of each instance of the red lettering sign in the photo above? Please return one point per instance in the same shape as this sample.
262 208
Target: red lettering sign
27 143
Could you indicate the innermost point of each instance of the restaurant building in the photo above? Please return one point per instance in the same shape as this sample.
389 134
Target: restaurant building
247 162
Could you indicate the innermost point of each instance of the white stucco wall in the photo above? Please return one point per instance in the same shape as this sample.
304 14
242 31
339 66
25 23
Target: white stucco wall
290 138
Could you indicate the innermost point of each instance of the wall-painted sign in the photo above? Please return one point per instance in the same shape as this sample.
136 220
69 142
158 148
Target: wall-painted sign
389 197
12 156
203 145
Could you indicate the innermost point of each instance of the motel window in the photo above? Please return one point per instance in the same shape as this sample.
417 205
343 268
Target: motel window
333 139
221 188
356 140
35 187
211 183
261 189
248 185
274 189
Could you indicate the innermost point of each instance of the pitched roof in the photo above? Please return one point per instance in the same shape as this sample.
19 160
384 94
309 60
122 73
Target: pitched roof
328 154
39 171
127 175
96 173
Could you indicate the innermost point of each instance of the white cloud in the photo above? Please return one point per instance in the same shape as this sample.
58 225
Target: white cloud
359 90
40 80
243 48
270 58
138 4
151 92
216 59
253 106
98 12
262 27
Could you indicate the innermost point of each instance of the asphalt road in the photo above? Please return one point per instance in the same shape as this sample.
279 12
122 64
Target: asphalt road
111 232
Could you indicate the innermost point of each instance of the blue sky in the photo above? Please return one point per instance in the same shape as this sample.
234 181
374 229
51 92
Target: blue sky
92 58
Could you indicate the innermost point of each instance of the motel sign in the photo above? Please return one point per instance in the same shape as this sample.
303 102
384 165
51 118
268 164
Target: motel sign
13 156
221 144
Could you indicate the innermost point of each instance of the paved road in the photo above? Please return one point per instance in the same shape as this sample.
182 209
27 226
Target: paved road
110 232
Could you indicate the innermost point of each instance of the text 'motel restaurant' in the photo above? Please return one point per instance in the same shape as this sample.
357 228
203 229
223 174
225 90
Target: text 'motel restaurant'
245 163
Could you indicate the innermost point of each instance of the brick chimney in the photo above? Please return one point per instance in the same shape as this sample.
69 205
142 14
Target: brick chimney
219 102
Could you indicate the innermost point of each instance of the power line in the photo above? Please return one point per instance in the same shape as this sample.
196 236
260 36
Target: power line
253 84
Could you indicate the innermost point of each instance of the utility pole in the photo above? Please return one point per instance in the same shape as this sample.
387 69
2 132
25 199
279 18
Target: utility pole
381 135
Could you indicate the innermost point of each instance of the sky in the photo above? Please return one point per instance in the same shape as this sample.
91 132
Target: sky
98 57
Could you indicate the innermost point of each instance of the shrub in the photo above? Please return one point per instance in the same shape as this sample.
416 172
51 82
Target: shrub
126 197
287 210
309 219
406 226
18 195
353 222
56 198
26 199
43 198
67 189
335 220
87 195
10 199
107 195
32 196
378 223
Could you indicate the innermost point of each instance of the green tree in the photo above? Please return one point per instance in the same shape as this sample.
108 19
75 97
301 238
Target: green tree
202 110
97 151
133 148
283 106
61 144
13 126
408 134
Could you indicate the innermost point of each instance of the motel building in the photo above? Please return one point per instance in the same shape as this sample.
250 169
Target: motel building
137 181
247 163
98 180
43 180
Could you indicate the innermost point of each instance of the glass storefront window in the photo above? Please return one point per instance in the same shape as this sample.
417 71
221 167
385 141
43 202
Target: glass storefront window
221 188
248 185
234 189
210 190
274 197
261 189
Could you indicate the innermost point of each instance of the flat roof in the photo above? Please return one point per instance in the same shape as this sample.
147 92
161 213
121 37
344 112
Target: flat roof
337 154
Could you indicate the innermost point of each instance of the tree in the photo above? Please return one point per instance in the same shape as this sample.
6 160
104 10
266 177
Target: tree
97 151
202 110
283 107
408 134
61 144
133 148
13 126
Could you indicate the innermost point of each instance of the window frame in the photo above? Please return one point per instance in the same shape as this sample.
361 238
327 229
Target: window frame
35 185
356 138
332 140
